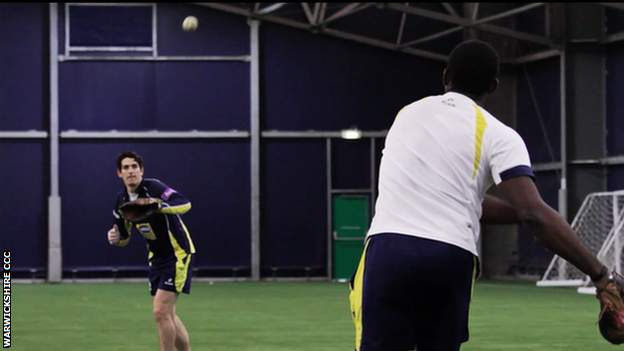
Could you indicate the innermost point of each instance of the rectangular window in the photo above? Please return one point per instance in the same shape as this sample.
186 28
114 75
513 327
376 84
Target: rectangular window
110 27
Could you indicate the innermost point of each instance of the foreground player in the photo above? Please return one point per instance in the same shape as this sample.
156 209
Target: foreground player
413 286
168 241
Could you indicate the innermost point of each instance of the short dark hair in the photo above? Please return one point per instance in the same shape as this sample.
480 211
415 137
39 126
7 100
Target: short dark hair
129 154
473 65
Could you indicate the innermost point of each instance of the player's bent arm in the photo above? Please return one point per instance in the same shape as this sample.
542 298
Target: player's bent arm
176 204
497 211
548 227
179 209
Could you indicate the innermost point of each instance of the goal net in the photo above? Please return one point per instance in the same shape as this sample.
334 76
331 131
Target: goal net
599 224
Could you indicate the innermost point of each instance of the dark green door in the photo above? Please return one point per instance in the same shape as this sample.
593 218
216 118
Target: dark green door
351 219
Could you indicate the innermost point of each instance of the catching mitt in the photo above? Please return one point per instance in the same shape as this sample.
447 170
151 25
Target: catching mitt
139 209
611 318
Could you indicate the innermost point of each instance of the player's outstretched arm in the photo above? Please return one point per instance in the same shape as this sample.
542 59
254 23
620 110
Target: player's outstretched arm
548 227
497 211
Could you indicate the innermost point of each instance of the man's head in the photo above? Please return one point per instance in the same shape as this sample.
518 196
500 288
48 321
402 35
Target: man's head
472 69
130 168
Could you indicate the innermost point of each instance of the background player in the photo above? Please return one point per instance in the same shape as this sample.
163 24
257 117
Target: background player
414 282
168 241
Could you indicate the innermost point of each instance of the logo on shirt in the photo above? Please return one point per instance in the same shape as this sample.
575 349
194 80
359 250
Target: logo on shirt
167 193
449 102
144 229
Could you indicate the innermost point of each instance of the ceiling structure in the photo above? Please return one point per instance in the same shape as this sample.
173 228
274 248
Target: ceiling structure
428 30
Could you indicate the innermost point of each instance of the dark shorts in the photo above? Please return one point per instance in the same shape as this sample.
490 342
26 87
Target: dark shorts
411 292
175 276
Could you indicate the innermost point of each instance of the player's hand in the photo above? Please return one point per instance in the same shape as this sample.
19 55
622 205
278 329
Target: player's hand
602 283
151 200
113 235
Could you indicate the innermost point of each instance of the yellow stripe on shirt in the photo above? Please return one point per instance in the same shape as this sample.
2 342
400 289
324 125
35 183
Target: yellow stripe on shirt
355 298
480 129
182 209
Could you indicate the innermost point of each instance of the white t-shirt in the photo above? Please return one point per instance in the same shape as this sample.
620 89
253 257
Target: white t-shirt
441 155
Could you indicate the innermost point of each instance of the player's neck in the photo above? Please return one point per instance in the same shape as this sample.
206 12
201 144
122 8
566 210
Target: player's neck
131 189
479 100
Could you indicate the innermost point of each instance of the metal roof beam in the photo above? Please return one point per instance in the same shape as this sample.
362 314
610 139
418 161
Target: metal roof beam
328 31
478 24
475 11
432 36
615 5
427 13
614 37
383 44
536 56
308 12
345 11
508 13
276 6
515 34
450 9
321 15
401 27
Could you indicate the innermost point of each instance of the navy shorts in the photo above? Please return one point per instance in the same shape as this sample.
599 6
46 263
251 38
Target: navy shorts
411 292
175 276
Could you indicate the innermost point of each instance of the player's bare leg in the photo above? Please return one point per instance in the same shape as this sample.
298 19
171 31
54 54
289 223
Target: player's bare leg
182 342
164 312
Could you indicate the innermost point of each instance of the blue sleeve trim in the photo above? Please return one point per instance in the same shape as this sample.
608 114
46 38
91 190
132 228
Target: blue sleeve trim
517 172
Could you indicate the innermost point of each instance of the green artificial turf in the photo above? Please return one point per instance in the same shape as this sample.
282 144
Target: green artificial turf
282 316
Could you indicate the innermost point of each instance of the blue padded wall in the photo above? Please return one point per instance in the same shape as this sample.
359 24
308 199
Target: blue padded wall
213 175
538 96
351 164
23 61
23 203
23 106
615 112
615 98
293 206
323 83
147 95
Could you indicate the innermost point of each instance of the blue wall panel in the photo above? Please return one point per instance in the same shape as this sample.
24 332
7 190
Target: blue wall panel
213 175
23 61
107 95
294 204
538 95
218 33
148 95
351 164
615 178
202 95
319 82
23 202
615 98
531 253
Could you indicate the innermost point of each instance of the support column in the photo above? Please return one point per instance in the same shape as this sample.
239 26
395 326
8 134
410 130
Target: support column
55 254
255 147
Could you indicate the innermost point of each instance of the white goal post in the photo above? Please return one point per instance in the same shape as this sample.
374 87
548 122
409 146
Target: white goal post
599 224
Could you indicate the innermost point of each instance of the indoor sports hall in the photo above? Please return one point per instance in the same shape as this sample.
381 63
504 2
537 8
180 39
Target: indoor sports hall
271 119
